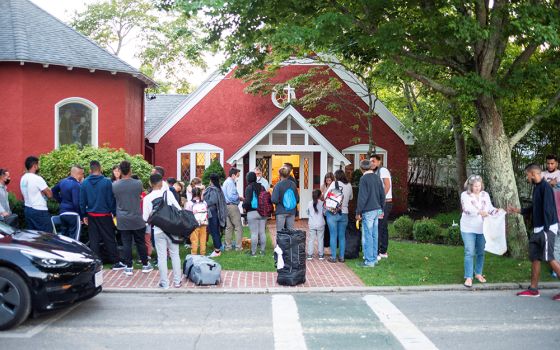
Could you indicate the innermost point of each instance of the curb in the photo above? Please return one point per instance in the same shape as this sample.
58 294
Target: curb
381 289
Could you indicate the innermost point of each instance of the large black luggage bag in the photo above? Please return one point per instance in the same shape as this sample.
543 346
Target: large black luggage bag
292 243
327 236
353 241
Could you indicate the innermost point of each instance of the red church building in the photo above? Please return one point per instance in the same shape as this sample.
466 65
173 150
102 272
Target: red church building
59 87
220 121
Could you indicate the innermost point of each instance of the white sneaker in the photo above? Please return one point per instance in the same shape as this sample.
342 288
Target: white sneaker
384 256
215 254
128 271
379 258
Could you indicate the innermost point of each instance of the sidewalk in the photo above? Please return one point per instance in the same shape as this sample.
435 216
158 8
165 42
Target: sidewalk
319 274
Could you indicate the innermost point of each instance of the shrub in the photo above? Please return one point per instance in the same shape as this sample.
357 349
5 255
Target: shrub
447 219
356 176
403 227
214 167
17 208
56 165
426 230
452 235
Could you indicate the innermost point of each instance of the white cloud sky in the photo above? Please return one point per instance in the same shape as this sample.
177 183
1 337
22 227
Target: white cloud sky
64 10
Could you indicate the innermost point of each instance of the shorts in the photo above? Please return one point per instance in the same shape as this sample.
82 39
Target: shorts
541 246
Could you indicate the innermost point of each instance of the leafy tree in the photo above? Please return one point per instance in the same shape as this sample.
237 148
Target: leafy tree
475 52
56 164
168 40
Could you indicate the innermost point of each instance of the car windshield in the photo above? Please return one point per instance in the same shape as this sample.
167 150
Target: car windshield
6 229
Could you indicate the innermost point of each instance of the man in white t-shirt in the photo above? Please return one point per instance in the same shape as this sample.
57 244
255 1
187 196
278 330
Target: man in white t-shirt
552 174
35 192
385 175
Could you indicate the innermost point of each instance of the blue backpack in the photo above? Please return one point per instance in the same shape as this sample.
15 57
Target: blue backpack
255 201
289 199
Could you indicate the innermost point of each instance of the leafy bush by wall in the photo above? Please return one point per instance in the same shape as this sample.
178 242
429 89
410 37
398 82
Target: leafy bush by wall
214 167
452 235
426 230
56 165
403 227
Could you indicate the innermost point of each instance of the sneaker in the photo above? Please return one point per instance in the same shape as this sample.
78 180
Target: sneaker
253 255
215 254
554 275
321 257
261 252
187 246
147 268
341 260
364 264
177 285
556 297
384 256
118 266
379 258
332 260
310 257
532 293
128 271
163 285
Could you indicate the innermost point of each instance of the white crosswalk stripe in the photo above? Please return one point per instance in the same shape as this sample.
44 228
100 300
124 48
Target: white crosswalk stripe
288 333
410 337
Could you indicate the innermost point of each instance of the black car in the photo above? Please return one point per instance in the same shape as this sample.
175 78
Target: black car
42 271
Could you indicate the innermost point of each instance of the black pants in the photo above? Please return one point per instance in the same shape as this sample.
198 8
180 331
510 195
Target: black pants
68 225
214 228
128 236
384 229
101 229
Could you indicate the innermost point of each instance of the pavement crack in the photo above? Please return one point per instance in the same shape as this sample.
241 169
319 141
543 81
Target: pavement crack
202 329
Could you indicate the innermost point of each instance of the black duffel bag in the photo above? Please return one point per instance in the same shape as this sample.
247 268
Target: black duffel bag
353 241
292 243
177 224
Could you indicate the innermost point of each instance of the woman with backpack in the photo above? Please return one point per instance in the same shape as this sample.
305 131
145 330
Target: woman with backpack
285 196
338 195
217 212
200 210
257 223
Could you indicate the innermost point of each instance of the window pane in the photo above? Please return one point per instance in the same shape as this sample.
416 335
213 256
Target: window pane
186 167
214 156
298 139
306 173
74 125
279 139
200 164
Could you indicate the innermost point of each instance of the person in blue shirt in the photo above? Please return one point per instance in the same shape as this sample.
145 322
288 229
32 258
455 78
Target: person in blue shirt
233 222
67 193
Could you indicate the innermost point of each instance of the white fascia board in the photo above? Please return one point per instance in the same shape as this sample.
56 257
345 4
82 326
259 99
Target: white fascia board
184 107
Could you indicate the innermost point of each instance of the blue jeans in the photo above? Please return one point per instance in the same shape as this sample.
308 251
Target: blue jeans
39 220
337 227
474 245
370 226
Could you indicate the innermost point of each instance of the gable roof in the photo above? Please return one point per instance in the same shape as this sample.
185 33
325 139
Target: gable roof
348 78
30 34
158 108
302 122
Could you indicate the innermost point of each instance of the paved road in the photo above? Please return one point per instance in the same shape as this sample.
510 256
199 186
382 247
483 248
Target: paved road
443 320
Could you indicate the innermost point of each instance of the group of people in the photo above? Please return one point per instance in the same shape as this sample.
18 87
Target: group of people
544 245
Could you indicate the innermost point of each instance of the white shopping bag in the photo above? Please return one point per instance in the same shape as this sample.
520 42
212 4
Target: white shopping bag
494 229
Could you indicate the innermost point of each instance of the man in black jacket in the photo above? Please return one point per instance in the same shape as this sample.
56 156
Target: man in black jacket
545 229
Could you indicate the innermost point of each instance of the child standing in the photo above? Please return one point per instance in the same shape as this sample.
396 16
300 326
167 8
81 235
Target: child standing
200 211
315 212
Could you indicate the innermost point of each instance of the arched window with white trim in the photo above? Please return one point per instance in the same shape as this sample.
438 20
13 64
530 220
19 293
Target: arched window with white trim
193 159
75 122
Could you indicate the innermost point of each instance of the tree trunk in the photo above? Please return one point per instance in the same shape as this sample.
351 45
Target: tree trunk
460 149
499 170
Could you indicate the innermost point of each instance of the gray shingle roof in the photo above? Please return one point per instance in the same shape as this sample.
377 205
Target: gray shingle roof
30 34
157 109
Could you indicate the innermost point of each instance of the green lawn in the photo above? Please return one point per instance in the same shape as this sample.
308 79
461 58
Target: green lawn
413 263
241 261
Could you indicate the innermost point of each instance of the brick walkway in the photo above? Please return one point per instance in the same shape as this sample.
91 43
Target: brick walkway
318 274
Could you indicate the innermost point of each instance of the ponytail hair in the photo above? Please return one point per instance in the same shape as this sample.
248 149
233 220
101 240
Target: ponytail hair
316 194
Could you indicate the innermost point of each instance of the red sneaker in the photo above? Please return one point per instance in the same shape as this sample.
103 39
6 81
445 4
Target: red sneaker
556 297
532 293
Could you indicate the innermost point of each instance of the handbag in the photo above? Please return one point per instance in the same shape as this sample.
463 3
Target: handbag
177 224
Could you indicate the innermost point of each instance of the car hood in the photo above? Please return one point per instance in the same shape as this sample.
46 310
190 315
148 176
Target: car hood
66 248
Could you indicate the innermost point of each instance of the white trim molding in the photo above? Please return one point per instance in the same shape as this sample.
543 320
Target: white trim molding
94 118
362 148
184 107
193 149
290 111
